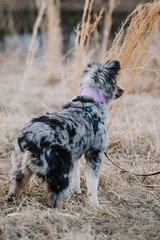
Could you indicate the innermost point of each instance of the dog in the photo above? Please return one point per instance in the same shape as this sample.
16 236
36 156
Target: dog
51 145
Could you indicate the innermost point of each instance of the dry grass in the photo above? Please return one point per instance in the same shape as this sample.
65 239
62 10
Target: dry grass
33 44
84 32
129 205
48 20
54 43
107 24
131 44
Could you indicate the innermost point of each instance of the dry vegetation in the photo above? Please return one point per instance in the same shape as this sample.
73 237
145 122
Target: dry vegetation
84 32
130 206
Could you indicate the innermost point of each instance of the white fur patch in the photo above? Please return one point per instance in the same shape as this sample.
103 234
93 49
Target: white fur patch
92 183
76 178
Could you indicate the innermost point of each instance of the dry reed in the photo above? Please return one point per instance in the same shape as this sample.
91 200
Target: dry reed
131 44
84 31
107 24
33 44
54 41
48 20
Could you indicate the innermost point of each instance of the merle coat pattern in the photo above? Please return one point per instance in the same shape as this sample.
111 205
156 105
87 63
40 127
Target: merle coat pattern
51 145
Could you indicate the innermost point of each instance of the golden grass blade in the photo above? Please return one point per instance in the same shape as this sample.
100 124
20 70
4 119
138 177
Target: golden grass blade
33 44
107 25
54 41
130 46
84 31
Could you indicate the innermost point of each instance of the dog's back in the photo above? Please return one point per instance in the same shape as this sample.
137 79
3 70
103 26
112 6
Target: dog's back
71 128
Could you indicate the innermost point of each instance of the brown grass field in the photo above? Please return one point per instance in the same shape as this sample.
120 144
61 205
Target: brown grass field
129 205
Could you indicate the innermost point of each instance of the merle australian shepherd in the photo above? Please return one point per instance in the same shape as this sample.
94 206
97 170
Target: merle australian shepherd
50 146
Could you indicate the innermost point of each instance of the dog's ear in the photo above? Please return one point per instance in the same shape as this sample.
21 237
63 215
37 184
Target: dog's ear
113 65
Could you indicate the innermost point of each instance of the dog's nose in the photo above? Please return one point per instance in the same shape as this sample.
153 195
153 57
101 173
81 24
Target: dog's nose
121 91
118 92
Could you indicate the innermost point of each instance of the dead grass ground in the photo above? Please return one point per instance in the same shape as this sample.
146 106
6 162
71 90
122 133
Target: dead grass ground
130 206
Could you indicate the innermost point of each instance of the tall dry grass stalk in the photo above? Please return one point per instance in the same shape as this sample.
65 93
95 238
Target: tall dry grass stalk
54 40
84 31
107 25
131 44
33 44
49 24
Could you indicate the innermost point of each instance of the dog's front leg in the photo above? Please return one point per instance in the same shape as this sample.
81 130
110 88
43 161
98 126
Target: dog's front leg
92 168
19 175
75 186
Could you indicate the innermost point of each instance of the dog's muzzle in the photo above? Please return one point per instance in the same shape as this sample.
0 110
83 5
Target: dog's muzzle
118 92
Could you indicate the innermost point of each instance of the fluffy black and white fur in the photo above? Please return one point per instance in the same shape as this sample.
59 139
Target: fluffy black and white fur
51 145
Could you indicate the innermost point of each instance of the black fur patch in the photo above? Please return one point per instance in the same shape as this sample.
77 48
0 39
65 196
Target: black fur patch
60 164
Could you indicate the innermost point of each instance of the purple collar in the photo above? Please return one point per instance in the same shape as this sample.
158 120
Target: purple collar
91 92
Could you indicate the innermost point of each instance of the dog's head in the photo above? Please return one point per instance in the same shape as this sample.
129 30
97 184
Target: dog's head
102 77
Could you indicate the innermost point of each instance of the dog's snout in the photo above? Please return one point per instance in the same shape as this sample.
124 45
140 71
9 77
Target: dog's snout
118 92
121 91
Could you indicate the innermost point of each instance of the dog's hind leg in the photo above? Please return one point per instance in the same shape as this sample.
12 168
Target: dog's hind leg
59 174
92 168
75 186
20 174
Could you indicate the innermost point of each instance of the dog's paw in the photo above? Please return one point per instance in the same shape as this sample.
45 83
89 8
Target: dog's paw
93 200
94 205
10 197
